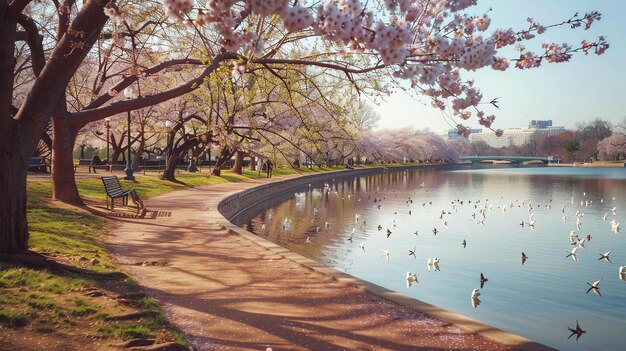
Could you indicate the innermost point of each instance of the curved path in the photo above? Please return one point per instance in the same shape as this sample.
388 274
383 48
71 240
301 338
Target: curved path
227 292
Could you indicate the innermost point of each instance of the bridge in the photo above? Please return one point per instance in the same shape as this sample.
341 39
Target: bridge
512 159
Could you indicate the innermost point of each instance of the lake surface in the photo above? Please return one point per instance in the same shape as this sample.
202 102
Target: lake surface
539 299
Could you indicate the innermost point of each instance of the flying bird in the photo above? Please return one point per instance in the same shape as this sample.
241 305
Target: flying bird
411 278
464 243
605 256
483 280
578 331
386 254
524 257
595 287
388 233
573 254
412 252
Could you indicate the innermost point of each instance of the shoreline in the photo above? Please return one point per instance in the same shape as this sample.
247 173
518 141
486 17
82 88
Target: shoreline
227 288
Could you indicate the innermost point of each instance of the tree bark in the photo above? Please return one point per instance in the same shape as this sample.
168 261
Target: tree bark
252 163
13 168
225 155
238 167
63 178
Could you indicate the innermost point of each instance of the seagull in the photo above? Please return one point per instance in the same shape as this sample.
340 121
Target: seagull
388 233
416 232
605 256
613 209
412 252
263 227
589 237
436 263
411 278
362 246
445 223
604 217
464 243
475 293
308 239
573 254
386 254
483 280
578 331
595 287
317 229
327 225
380 227
522 224
429 263
524 257
565 218
435 231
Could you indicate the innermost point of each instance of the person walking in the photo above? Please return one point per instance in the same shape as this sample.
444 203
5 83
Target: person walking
269 168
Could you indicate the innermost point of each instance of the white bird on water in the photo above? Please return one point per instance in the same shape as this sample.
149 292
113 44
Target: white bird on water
386 254
604 217
411 278
573 254
362 246
595 286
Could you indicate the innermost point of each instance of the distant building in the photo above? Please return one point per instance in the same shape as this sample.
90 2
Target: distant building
453 134
540 124
511 136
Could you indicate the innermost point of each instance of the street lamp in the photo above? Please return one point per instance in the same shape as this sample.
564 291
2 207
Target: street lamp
107 124
129 94
168 124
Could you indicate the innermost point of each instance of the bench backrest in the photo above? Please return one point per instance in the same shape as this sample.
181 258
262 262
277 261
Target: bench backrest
84 162
36 161
112 186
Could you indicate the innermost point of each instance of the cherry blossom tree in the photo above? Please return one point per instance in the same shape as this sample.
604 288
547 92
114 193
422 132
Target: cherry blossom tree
426 43
613 147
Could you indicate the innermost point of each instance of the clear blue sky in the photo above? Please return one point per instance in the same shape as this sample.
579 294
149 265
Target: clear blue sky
580 90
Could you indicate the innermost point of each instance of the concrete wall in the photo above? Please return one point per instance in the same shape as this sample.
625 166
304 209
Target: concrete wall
237 203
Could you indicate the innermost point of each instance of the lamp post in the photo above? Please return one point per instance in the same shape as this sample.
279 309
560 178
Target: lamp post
128 93
168 124
107 124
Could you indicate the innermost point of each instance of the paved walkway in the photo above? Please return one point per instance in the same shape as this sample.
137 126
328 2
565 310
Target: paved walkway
228 293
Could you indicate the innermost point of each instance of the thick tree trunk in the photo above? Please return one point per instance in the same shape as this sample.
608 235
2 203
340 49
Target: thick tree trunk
170 168
13 167
225 155
238 167
252 163
13 162
63 181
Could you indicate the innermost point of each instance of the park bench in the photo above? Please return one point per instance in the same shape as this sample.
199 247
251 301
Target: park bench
114 191
37 164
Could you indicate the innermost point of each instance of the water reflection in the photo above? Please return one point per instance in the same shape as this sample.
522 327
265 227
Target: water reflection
430 212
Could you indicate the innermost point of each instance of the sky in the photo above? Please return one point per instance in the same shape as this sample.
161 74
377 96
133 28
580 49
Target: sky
567 93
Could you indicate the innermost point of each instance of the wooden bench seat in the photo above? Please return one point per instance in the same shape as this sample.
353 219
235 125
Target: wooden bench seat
114 191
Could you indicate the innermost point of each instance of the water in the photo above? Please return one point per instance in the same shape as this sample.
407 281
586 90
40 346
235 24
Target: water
538 299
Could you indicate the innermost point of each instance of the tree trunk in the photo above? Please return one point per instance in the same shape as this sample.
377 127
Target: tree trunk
238 167
225 155
63 179
170 168
138 153
13 162
252 163
13 167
